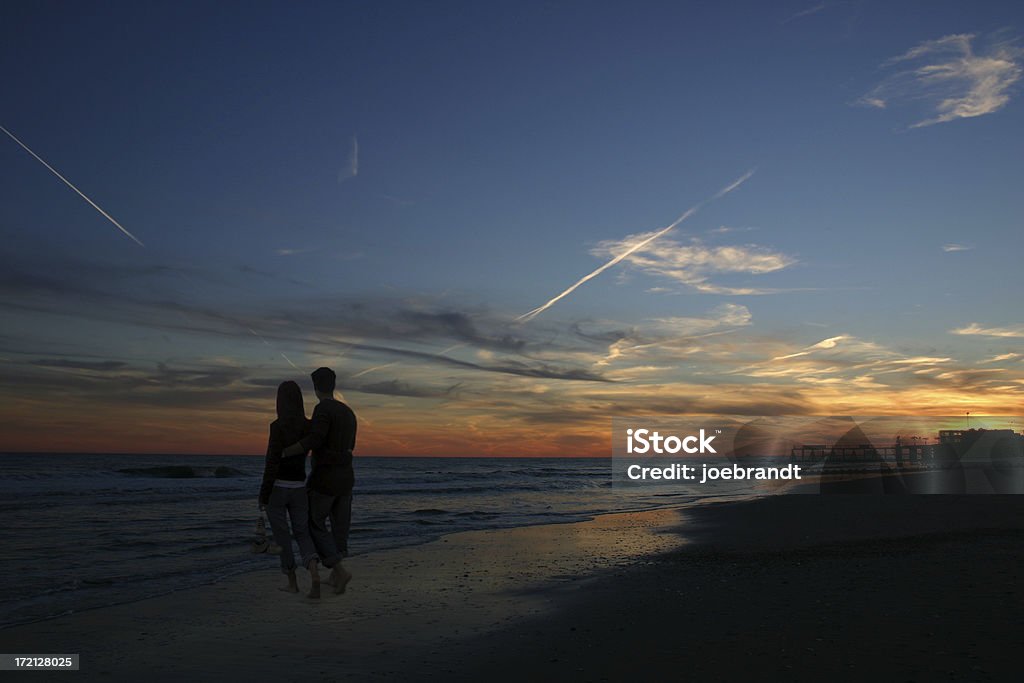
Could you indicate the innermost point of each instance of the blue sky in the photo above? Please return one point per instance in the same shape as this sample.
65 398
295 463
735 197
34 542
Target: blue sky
505 151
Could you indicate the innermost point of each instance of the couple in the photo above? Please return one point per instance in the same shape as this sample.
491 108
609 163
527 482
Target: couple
285 492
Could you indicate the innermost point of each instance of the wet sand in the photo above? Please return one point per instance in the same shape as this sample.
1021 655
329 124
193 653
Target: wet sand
402 606
806 588
799 587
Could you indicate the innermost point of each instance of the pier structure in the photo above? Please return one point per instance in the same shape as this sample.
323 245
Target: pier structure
951 445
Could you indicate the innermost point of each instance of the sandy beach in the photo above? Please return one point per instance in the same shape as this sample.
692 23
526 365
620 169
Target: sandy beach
804 587
607 341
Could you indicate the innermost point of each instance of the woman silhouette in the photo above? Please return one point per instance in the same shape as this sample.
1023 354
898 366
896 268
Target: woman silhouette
283 492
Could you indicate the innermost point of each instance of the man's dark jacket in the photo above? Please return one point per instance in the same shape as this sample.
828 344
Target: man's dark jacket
332 437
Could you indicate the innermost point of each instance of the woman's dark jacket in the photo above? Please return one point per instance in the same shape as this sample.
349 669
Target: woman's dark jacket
284 431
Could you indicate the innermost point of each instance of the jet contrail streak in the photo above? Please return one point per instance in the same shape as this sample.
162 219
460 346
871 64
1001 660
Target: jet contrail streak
260 337
729 188
136 239
526 317
388 365
639 245
451 348
264 340
374 368
68 183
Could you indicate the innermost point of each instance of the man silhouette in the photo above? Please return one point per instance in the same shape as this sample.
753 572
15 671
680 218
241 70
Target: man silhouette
332 438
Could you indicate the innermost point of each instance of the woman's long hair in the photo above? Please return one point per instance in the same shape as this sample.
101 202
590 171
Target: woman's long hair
289 401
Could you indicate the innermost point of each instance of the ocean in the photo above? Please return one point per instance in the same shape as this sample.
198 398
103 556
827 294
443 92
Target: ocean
85 531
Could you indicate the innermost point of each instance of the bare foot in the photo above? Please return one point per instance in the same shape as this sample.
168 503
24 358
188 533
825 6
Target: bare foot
314 590
293 585
340 578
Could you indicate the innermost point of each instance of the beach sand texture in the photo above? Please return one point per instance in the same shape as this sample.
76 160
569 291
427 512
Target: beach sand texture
798 587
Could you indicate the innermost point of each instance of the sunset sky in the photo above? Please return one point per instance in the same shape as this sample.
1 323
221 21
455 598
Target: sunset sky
388 188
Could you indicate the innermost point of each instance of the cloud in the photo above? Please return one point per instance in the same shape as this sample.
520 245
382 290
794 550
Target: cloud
805 12
399 355
193 385
672 336
949 79
459 326
398 388
734 315
677 327
508 366
863 368
1001 357
976 329
829 343
971 379
379 328
921 360
693 265
725 229
952 246
95 366
844 350
351 168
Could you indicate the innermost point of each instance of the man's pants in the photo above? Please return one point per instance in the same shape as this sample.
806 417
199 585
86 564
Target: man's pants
341 521
330 544
285 503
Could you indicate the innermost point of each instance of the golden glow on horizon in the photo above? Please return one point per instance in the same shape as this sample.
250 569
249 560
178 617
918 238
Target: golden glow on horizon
482 405
472 428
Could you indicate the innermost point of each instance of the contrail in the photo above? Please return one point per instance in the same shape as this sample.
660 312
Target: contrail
526 317
68 183
264 340
375 367
729 188
639 245
451 348
355 168
249 329
388 365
